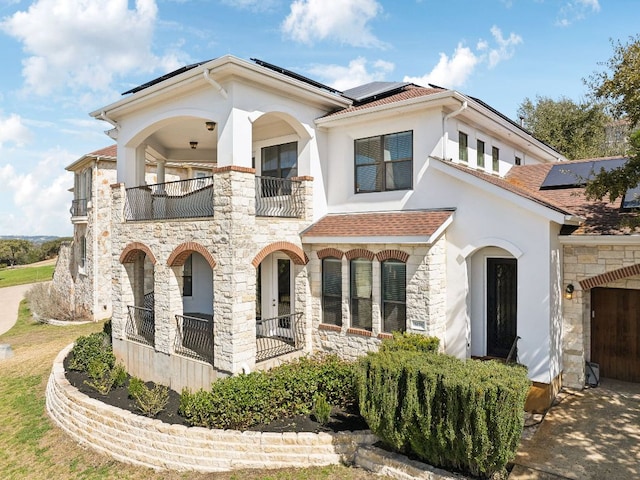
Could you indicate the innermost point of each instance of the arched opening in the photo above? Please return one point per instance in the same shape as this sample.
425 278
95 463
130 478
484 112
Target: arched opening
494 303
192 266
139 266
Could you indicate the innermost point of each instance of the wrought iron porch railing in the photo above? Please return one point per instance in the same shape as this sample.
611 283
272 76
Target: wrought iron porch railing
78 207
191 198
141 325
279 197
194 338
278 336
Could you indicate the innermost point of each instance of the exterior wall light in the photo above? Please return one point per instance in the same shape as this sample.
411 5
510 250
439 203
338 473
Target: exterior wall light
193 145
210 125
568 292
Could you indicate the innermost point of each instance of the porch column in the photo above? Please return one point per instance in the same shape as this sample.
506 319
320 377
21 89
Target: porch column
160 171
234 140
140 164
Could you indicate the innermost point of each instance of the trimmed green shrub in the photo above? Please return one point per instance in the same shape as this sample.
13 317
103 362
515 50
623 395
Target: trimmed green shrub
321 409
260 397
411 342
458 415
94 347
149 401
103 378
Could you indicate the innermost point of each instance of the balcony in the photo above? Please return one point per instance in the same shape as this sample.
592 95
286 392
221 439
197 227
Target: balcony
279 197
194 338
78 210
191 198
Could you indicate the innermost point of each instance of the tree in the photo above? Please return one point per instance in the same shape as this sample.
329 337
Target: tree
577 130
14 251
619 86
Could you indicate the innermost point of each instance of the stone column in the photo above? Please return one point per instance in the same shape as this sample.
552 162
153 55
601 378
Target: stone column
121 294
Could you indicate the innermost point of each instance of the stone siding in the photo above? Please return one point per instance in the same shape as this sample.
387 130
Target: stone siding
581 262
151 443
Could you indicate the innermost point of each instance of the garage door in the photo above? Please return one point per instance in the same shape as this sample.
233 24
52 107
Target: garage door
615 332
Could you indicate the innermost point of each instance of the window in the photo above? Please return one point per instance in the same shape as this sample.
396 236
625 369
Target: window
280 161
361 286
463 147
83 252
394 297
187 277
495 158
518 160
480 153
332 291
384 162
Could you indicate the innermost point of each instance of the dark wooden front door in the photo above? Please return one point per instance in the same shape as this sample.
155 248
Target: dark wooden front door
502 302
615 332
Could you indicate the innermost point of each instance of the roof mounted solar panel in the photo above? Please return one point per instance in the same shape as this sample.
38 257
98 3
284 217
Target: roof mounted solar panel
373 90
577 174
631 199
164 77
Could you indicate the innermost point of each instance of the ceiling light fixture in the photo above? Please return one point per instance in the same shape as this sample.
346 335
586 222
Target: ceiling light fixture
193 145
210 125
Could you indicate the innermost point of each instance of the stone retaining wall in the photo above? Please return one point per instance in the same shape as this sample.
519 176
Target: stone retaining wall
139 440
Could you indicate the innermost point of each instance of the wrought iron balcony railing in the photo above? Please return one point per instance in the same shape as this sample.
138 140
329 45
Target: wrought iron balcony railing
141 325
278 336
194 338
78 207
279 197
191 198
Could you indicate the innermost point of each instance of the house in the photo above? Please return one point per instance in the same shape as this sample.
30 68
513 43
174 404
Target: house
330 219
83 270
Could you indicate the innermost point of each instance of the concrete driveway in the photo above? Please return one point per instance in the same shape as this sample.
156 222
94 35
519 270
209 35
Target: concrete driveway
589 435
10 298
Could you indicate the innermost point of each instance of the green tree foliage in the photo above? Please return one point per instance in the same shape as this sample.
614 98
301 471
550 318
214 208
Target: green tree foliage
577 130
454 414
619 85
14 252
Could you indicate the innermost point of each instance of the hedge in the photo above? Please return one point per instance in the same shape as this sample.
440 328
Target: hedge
459 415
260 397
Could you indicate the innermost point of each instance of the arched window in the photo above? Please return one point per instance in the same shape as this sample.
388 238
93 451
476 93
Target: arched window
394 296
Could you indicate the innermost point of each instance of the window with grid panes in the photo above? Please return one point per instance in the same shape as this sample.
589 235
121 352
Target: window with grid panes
332 291
361 286
480 154
394 296
384 162
463 147
495 159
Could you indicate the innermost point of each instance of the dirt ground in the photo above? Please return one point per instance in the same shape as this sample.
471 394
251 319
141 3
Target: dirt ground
592 434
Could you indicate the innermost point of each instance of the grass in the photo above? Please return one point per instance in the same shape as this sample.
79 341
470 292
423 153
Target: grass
21 275
31 446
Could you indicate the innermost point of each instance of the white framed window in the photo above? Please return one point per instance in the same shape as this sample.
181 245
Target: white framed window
332 291
187 277
361 293
480 152
384 162
495 159
463 147
394 296
82 253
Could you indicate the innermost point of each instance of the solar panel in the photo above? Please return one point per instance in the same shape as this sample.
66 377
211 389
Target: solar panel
577 174
631 198
373 89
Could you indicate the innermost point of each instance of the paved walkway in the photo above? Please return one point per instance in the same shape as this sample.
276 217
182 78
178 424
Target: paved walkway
590 435
10 298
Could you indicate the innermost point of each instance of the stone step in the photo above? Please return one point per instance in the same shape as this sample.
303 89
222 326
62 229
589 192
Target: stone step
5 351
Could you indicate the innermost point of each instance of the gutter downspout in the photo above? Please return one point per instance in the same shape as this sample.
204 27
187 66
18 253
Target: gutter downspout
445 134
113 133
215 84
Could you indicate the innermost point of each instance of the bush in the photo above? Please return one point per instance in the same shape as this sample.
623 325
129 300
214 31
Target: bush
411 342
149 401
321 409
92 348
261 397
103 378
458 415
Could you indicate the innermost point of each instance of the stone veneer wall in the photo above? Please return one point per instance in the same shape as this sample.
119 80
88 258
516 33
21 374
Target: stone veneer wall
582 262
233 237
426 278
151 443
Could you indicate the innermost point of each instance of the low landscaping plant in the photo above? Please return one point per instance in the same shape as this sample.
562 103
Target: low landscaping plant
412 342
150 401
92 348
46 302
458 415
260 397
103 378
321 409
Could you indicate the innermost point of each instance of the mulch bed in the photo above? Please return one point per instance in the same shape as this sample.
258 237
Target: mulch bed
341 420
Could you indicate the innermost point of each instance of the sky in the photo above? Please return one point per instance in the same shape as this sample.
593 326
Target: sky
61 59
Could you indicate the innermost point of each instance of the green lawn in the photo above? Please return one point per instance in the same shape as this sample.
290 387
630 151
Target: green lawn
31 446
22 275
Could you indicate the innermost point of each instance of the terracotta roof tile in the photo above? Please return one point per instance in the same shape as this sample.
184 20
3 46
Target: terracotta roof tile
110 151
409 92
602 217
387 224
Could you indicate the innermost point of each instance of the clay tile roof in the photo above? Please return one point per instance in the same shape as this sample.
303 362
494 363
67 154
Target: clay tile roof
602 217
414 223
408 92
110 151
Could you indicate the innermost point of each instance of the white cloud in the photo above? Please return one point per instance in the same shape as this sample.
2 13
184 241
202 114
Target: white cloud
13 129
41 199
84 44
345 22
450 72
505 48
356 73
576 10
